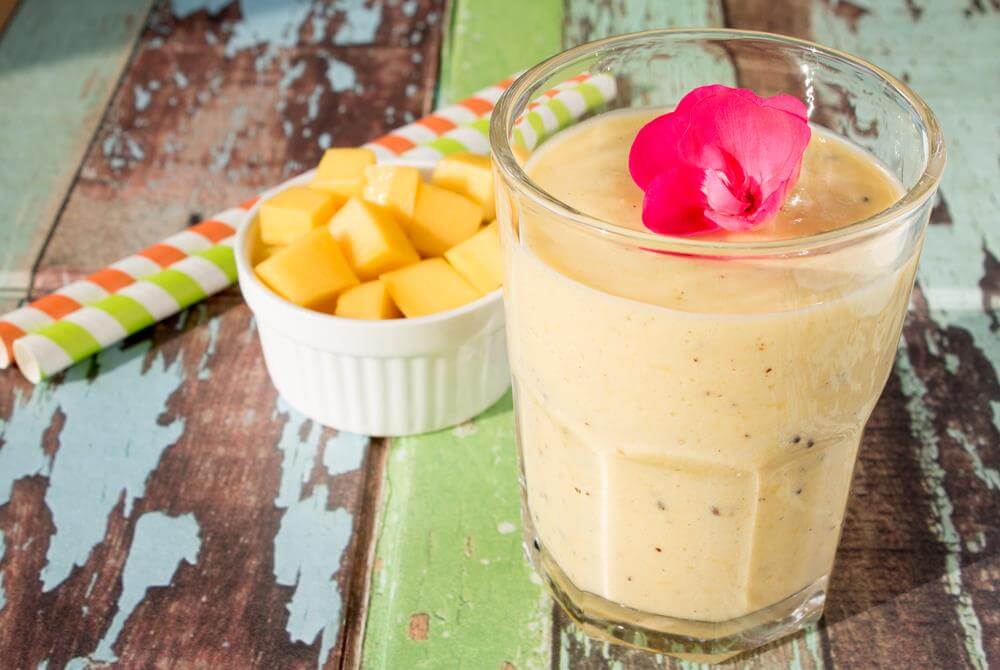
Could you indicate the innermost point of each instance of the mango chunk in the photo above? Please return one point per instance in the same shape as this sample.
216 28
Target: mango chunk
470 175
310 272
371 240
370 300
428 287
342 171
442 219
478 259
393 187
294 212
262 252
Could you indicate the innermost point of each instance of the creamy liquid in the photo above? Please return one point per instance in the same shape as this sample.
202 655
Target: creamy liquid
689 426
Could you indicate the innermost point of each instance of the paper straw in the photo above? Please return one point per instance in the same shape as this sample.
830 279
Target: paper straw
115 277
441 122
88 330
553 110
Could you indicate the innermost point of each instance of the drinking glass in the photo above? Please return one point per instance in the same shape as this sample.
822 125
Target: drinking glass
689 411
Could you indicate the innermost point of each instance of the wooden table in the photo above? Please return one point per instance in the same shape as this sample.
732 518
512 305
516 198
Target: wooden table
160 506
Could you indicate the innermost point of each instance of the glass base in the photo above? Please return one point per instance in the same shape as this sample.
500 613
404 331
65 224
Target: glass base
700 641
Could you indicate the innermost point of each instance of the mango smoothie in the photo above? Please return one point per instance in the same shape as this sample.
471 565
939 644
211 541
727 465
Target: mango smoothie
689 423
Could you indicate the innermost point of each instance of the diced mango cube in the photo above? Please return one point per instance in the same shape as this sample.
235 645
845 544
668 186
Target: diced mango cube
393 187
342 171
294 212
262 252
429 286
470 175
371 240
442 219
370 300
478 259
311 271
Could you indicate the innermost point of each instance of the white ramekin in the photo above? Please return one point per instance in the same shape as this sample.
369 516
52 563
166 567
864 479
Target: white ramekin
387 378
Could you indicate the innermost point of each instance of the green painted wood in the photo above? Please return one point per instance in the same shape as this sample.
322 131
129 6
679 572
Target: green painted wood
59 64
488 40
450 580
451 587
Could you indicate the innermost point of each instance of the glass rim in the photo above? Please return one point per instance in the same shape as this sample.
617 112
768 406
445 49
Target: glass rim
532 80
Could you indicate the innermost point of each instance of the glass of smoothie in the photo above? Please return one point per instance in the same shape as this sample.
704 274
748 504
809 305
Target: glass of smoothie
689 409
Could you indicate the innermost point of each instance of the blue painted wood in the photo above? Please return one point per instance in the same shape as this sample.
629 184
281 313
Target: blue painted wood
159 546
59 64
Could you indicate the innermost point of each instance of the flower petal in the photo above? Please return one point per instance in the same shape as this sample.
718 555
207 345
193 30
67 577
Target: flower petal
788 103
674 203
654 149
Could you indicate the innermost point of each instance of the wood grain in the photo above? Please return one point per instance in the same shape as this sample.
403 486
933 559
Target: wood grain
59 65
217 106
7 8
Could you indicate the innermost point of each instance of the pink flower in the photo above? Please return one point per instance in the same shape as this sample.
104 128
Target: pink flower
724 158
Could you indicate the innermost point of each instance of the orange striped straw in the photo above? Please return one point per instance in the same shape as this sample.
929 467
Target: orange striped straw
431 127
115 277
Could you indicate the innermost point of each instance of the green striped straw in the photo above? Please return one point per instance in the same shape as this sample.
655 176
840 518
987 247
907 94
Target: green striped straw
96 326
552 111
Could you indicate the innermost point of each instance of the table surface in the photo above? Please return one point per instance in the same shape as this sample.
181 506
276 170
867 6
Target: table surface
161 507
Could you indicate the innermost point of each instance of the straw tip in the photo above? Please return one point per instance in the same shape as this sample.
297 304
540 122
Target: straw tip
27 362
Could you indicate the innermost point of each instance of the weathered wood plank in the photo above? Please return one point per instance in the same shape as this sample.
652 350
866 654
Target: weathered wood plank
588 20
7 8
59 64
947 375
488 40
101 469
451 587
225 99
163 481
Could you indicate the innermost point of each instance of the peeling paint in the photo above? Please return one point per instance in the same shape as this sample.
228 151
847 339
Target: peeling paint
307 551
943 526
344 453
952 261
120 461
212 327
340 75
298 444
142 98
271 24
989 476
360 24
184 8
160 544
312 538
221 155
312 103
291 75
